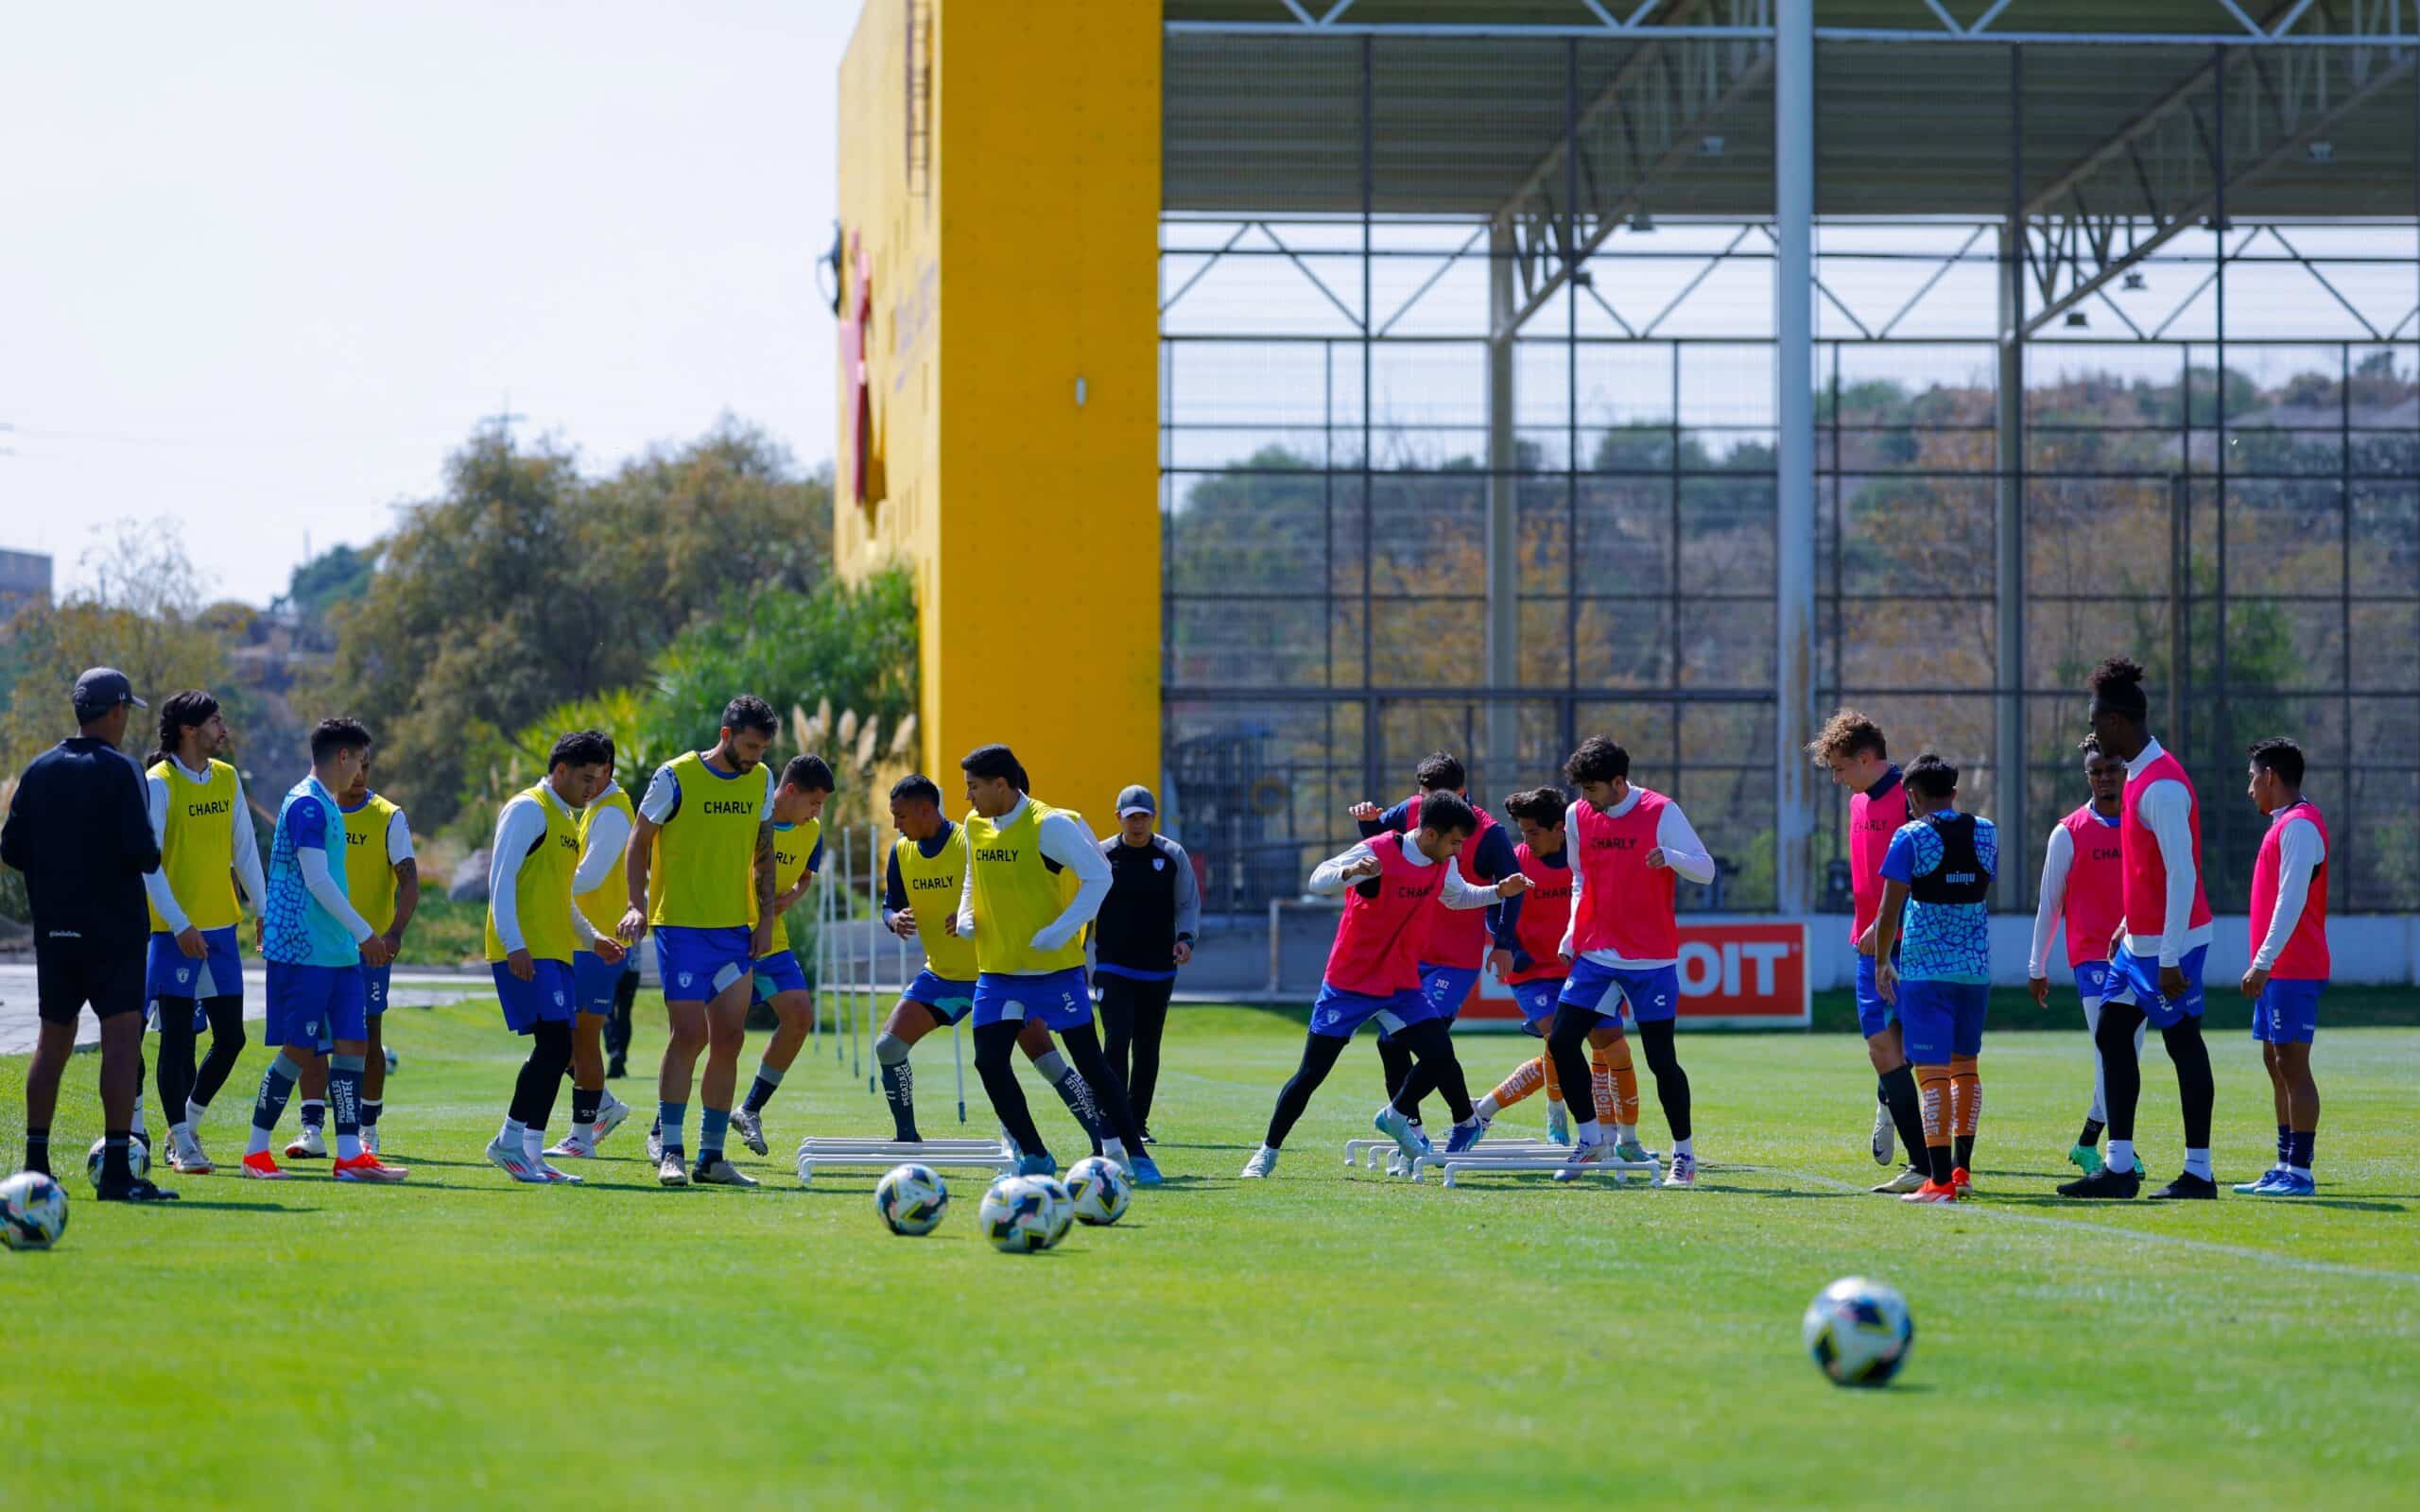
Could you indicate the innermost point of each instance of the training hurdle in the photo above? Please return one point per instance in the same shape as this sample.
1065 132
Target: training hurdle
1515 1158
867 1154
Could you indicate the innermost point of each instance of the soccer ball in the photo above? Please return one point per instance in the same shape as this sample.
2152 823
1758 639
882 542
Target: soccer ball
138 1158
911 1199
1017 1216
33 1210
1858 1332
392 1060
1100 1189
1063 1207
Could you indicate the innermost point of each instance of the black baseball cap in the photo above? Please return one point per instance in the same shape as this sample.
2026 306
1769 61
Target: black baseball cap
98 690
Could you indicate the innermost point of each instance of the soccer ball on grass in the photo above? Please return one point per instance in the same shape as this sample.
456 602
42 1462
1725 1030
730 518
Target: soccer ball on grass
1858 1332
911 1199
1102 1191
1016 1215
138 1158
33 1210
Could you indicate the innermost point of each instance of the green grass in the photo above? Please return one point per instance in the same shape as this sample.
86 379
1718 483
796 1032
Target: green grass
1323 1339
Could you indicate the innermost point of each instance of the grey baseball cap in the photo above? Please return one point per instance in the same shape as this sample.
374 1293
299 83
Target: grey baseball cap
102 688
1136 799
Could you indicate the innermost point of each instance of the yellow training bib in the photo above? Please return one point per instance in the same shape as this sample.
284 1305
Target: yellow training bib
602 904
197 846
932 884
369 872
1017 894
541 893
704 871
793 847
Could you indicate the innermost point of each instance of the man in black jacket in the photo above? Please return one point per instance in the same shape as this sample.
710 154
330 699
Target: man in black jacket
1143 934
80 831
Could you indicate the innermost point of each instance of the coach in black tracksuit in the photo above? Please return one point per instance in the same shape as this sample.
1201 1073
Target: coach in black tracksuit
1143 934
79 828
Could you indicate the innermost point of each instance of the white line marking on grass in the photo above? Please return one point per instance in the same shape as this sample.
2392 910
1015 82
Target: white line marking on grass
2265 1257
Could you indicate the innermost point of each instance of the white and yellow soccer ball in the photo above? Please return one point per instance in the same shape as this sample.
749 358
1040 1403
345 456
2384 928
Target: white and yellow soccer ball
33 1210
1017 1216
1100 1189
911 1199
1858 1332
1063 1207
138 1158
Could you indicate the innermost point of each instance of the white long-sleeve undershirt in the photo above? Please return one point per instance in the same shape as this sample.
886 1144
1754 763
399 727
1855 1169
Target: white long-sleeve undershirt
1328 879
246 849
313 863
2056 862
1682 852
607 834
1060 837
519 829
2165 809
2300 851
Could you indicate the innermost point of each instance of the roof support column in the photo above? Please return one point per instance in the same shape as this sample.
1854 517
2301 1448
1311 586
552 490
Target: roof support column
1502 758
2009 744
1794 409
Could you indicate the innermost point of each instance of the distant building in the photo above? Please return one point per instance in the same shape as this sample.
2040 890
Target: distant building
24 576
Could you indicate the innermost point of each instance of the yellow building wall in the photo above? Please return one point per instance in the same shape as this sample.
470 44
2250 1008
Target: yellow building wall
999 201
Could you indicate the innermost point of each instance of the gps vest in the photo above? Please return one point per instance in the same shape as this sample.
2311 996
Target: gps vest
1960 877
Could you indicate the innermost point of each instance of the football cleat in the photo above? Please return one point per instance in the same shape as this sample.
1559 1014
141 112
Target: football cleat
572 1148
1932 1192
2286 1185
1038 1164
185 1154
655 1142
1558 1125
1683 1172
1576 1164
1397 1164
672 1172
558 1178
2086 1157
1463 1136
750 1126
610 1115
1883 1145
370 1138
2259 1186
2105 1183
1149 1137
1392 1121
134 1189
1633 1151
720 1173
1963 1182
261 1168
514 1160
311 1144
1263 1164
1144 1171
1905 1182
2187 1187
365 1167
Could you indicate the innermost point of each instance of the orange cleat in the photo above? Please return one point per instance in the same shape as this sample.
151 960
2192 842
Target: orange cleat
1934 1191
1965 1184
262 1167
365 1167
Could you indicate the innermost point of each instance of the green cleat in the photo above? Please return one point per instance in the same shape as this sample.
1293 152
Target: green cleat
1633 1151
2086 1157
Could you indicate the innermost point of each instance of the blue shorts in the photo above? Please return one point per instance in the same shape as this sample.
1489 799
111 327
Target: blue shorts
1058 999
698 965
545 998
778 974
374 988
169 973
1536 1001
1654 993
2134 979
2286 1013
1873 1014
946 1000
592 982
2092 982
1336 1013
1447 988
1939 1020
314 1006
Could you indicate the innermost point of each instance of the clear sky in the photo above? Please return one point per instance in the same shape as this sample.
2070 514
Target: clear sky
262 267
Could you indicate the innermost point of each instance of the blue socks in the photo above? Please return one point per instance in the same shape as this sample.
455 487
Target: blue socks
2298 1147
277 1085
344 1091
713 1122
672 1116
767 1078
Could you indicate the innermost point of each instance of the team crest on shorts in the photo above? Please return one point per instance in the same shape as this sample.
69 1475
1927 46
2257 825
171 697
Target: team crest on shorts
687 977
184 973
559 1000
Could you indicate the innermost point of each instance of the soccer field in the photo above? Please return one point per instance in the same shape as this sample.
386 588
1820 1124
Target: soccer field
1323 1339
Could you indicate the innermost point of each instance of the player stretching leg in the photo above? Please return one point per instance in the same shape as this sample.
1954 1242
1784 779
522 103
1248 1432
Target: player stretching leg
534 927
705 832
1457 944
1034 878
2081 882
315 943
2156 971
194 972
1852 749
382 880
1936 875
1528 956
798 859
1392 884
1632 843
597 983
927 872
2289 958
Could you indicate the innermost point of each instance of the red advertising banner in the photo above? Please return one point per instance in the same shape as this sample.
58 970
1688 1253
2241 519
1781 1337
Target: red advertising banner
1742 975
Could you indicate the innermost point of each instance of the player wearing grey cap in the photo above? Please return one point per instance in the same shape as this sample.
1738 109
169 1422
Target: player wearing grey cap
80 831
1143 932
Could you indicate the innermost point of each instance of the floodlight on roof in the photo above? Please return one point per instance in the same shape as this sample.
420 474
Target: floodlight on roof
2133 283
2076 320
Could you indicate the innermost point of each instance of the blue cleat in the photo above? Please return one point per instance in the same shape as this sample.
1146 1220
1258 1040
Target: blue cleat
1144 1171
2285 1184
1397 1127
1039 1163
2259 1186
1464 1136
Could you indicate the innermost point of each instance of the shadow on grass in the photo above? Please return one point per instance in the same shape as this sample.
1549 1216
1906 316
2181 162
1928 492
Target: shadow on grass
185 1204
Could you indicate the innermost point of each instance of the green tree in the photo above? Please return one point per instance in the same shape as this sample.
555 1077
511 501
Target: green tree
848 645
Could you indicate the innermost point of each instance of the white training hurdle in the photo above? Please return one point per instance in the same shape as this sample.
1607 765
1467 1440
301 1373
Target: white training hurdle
868 1154
1513 1158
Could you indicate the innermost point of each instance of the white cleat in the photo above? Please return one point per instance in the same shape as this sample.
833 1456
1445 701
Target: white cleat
370 1139
1576 1164
572 1147
750 1126
1884 1146
514 1161
722 1174
185 1156
1262 1164
656 1143
610 1115
311 1144
1683 1172
670 1172
558 1176
1905 1182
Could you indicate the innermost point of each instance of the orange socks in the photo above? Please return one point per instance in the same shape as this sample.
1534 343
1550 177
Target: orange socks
1616 1083
1933 1094
1966 1113
1526 1079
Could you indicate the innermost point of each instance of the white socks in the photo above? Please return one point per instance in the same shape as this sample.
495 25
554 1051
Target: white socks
512 1136
1587 1132
2197 1163
2121 1156
533 1143
194 1111
1684 1149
